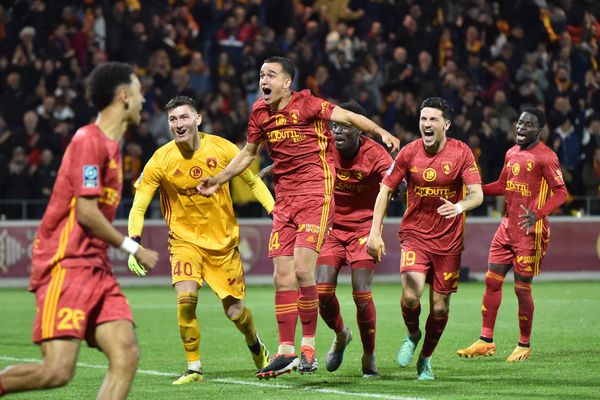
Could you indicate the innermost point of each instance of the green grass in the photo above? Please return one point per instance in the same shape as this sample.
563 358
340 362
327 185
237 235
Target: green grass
564 361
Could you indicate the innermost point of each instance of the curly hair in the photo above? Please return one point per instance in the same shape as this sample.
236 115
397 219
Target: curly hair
104 81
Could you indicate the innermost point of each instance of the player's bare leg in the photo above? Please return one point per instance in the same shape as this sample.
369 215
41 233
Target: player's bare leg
241 316
56 369
286 313
117 340
413 284
308 306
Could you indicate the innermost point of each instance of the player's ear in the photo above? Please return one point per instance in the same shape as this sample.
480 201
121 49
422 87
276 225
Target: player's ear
447 124
198 119
122 96
287 83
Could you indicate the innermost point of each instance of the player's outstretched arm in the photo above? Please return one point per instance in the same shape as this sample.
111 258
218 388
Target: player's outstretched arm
375 244
259 189
235 167
343 116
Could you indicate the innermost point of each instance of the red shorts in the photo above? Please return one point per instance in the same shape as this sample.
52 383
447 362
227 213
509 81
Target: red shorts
75 301
525 261
442 270
346 248
300 221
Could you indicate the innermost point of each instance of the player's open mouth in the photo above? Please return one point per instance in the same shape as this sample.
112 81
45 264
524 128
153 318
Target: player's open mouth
266 93
181 132
428 132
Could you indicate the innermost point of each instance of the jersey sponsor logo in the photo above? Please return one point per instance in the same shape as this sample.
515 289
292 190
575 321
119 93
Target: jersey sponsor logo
350 187
284 134
391 168
295 115
187 192
446 167
211 163
90 176
196 172
432 191
309 228
522 188
529 165
343 174
429 174
280 120
516 168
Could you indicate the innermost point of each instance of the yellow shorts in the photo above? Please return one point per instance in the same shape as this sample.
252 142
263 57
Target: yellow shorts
222 271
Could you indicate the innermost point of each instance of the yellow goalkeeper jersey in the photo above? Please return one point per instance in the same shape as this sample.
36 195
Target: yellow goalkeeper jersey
208 222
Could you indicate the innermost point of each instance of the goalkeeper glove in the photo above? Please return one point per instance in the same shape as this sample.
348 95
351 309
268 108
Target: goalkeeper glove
132 263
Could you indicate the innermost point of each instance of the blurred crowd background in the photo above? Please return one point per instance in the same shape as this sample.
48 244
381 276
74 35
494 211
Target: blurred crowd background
489 59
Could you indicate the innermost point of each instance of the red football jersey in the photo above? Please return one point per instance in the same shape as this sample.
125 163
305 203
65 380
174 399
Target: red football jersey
91 167
357 185
529 177
430 177
299 143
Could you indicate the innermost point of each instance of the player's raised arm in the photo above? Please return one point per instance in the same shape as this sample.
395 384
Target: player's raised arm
235 167
375 244
363 123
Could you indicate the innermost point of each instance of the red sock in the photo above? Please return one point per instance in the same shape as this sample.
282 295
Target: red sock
329 306
1 389
366 318
286 313
433 331
523 291
308 309
491 303
411 317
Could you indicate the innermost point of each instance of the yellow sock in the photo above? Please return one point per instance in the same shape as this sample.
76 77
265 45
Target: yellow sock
189 329
245 324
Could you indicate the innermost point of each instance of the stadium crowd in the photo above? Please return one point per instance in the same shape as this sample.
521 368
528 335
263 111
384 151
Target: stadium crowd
489 59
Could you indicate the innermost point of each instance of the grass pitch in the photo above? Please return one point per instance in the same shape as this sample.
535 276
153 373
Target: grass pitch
565 360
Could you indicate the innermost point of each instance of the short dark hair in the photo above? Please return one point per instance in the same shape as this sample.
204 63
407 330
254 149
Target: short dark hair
286 65
541 118
104 81
354 107
181 101
440 104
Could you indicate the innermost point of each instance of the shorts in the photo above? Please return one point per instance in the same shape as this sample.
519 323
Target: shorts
525 261
75 301
221 270
300 221
441 270
346 248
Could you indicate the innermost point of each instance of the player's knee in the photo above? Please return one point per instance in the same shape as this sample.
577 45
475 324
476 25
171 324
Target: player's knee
56 377
440 310
304 276
409 299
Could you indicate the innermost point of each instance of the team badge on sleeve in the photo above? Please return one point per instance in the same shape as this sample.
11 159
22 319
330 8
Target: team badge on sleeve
90 176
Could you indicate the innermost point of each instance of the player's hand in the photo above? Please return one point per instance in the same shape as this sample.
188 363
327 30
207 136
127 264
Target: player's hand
376 247
390 141
135 267
448 209
266 171
528 220
208 186
146 258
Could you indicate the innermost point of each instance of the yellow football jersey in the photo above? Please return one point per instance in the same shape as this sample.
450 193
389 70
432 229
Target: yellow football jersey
208 222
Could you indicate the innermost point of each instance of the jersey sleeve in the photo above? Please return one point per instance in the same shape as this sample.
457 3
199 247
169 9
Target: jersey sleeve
255 133
150 177
88 160
470 172
551 171
397 170
317 108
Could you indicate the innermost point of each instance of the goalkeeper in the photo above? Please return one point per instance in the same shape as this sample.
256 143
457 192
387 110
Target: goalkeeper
203 231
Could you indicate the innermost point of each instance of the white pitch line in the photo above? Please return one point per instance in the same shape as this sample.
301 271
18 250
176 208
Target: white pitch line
272 385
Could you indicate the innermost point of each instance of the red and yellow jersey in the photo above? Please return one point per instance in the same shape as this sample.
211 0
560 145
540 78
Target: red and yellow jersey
299 143
529 178
208 222
91 167
430 177
357 185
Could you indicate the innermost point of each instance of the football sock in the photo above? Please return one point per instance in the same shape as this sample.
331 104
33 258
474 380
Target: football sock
523 292
433 331
366 319
487 340
189 329
411 318
245 324
329 306
286 313
492 298
308 310
1 389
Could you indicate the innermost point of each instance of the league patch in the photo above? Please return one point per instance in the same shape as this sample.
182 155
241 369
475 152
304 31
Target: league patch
90 176
391 168
139 180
